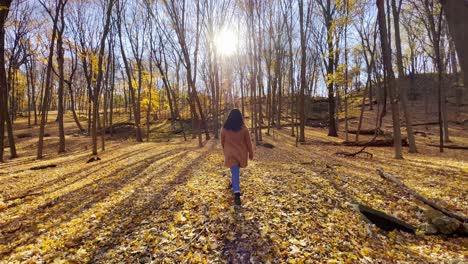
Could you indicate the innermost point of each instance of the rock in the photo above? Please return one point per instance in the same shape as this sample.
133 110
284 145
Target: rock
431 214
446 225
428 228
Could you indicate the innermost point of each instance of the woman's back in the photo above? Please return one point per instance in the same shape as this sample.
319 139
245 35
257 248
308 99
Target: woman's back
236 147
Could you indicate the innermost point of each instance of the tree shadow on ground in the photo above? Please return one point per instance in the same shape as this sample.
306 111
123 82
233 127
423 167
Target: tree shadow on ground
24 230
248 244
129 221
74 176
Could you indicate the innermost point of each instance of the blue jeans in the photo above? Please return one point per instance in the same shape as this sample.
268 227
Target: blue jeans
235 171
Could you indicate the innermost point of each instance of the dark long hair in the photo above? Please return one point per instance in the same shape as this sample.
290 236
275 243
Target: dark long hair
235 121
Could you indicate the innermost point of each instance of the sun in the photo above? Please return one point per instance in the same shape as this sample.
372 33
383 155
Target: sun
225 42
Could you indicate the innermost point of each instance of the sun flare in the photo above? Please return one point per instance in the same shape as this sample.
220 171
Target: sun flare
225 42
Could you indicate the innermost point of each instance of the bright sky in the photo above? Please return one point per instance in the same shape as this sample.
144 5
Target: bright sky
226 42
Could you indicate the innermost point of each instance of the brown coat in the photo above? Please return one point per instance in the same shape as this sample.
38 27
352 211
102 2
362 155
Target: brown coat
237 147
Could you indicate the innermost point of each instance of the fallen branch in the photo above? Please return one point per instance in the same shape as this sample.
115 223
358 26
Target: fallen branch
432 204
375 143
349 154
368 143
449 146
22 196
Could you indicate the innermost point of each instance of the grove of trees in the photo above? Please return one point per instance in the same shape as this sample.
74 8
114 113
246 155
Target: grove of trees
152 60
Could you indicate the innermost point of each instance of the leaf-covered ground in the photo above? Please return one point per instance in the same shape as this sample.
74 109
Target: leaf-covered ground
170 203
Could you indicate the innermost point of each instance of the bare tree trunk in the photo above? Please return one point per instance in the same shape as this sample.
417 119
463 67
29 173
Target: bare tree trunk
178 17
47 87
401 75
97 89
386 54
28 85
280 94
332 129
72 106
9 113
131 89
362 109
33 92
60 62
455 13
303 72
242 92
346 72
3 82
259 46
104 118
148 113
291 71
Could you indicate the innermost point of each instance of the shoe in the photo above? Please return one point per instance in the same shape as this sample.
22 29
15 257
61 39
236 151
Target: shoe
237 199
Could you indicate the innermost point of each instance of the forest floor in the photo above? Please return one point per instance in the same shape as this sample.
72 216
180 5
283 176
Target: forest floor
169 202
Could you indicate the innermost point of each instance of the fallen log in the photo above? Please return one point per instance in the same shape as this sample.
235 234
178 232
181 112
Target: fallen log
423 124
383 220
93 159
344 119
422 134
267 145
373 102
432 204
366 131
376 143
178 131
449 146
43 167
460 122
119 125
24 135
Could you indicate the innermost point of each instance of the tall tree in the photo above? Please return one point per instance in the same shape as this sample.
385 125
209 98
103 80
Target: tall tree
128 72
302 30
177 11
60 62
455 12
391 85
47 85
4 10
431 16
97 88
328 10
401 74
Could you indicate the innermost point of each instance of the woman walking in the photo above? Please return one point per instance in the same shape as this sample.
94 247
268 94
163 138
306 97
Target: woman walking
237 148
